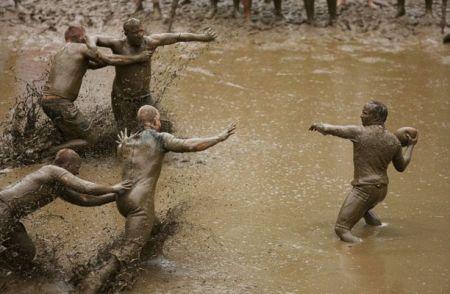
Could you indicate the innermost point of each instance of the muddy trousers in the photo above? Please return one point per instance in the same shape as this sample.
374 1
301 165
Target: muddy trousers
15 244
359 202
125 109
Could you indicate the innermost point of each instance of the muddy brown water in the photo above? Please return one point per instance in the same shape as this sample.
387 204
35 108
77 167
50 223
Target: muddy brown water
261 207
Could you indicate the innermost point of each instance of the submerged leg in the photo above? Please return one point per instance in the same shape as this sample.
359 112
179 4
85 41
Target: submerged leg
138 228
19 245
372 219
352 210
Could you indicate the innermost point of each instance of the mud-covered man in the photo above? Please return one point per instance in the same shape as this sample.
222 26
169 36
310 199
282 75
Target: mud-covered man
142 156
374 148
67 70
131 87
38 189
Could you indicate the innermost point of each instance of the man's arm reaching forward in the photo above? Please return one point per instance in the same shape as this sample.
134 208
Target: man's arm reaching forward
346 132
79 199
171 38
171 143
75 183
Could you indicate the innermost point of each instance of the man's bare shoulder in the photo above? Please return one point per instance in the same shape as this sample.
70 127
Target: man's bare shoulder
52 171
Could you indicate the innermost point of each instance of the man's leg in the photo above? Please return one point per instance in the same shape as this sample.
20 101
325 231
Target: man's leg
138 229
309 6
332 11
372 219
400 8
71 123
157 14
277 8
352 210
429 7
19 245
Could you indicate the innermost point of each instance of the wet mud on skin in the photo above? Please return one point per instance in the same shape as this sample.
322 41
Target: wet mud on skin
259 210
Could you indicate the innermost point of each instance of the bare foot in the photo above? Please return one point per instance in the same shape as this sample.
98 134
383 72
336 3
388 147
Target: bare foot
341 2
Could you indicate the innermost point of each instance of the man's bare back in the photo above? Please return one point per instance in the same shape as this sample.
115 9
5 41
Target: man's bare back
142 157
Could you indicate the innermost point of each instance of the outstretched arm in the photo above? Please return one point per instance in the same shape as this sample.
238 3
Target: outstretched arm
75 183
171 38
171 143
79 199
114 59
401 160
346 132
93 41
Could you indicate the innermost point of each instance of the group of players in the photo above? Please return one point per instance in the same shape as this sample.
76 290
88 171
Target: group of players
142 147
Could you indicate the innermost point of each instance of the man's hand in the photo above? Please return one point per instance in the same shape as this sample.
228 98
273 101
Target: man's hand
210 35
123 136
318 127
412 141
122 187
145 55
228 132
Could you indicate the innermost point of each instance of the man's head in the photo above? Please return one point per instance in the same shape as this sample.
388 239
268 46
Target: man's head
374 113
69 160
134 31
148 117
75 34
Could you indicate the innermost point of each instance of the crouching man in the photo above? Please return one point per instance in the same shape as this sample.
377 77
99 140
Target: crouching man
38 189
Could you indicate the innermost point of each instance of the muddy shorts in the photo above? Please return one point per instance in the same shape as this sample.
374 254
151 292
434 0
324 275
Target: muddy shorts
67 118
125 108
361 199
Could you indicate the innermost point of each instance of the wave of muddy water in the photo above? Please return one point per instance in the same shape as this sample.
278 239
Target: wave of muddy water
261 207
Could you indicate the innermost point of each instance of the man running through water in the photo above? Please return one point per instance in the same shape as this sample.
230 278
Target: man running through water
131 87
67 70
142 156
374 148
41 187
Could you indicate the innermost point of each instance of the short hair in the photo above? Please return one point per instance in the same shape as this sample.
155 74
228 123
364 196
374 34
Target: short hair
147 113
380 110
74 32
132 23
65 156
